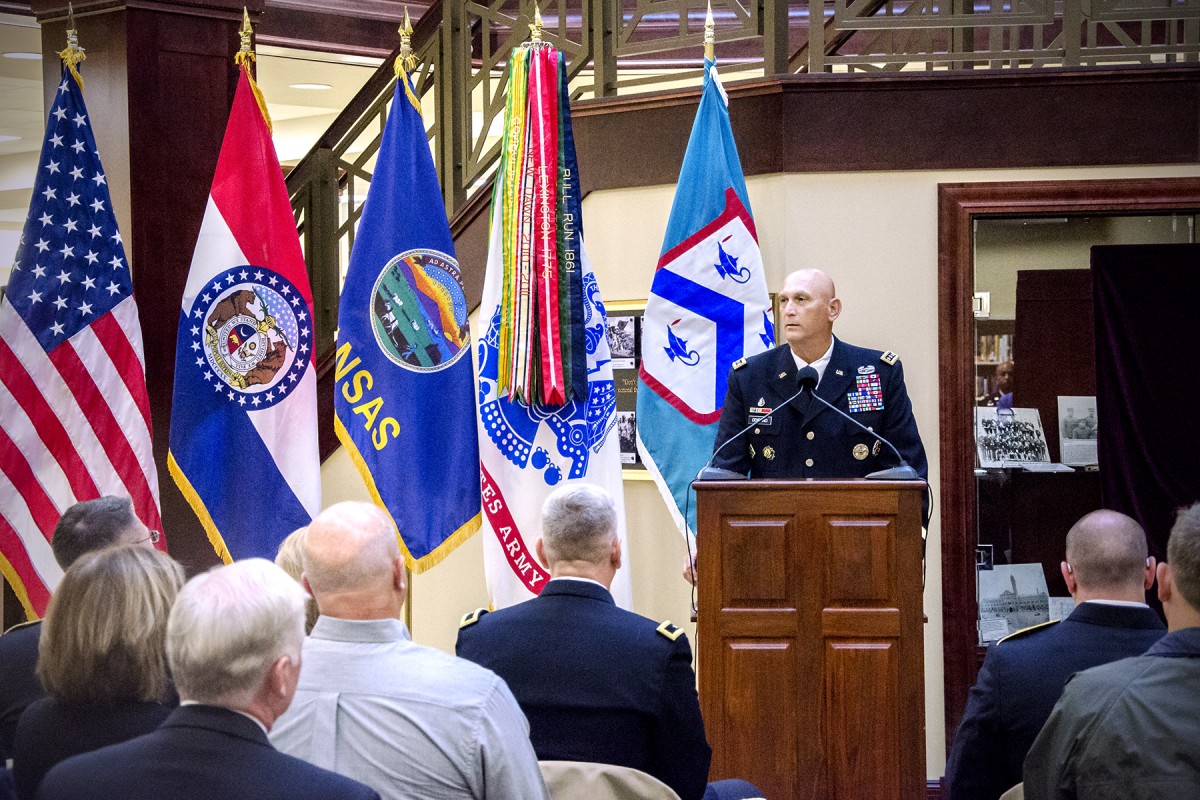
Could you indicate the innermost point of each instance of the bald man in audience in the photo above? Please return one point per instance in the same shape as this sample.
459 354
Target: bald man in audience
410 721
233 643
84 527
1130 730
1108 572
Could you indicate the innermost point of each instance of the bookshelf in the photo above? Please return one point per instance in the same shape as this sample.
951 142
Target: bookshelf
993 346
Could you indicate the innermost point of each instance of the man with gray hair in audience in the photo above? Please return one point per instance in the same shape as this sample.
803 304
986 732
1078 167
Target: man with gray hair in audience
1130 730
599 683
233 642
411 721
84 527
1107 571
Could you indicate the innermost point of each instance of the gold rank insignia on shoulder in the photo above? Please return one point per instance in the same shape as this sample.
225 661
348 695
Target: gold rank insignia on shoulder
889 357
741 362
470 619
669 630
1024 631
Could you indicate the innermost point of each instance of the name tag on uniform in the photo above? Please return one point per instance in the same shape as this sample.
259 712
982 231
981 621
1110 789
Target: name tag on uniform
759 415
868 394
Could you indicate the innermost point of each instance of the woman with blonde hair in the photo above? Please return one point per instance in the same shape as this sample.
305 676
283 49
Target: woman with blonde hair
290 558
101 658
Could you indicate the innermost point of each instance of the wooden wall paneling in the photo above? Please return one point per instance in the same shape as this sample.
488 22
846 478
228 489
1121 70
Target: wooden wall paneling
1056 337
958 206
849 123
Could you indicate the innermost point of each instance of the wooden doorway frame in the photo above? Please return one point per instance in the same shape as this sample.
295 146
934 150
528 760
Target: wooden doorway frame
959 205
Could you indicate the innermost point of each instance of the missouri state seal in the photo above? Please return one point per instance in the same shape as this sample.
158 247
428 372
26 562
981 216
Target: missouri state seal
419 311
251 334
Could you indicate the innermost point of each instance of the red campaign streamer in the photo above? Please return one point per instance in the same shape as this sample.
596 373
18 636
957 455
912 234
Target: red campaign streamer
544 144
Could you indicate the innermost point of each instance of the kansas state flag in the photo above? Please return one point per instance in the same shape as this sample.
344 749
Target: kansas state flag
404 389
708 306
244 416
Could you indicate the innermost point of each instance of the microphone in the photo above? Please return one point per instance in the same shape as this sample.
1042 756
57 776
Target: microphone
807 378
711 473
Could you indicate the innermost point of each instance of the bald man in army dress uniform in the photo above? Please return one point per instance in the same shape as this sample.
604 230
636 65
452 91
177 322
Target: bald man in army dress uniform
804 439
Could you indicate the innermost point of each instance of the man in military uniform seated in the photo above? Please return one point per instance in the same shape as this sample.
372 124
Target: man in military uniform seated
1107 572
804 439
1131 729
597 683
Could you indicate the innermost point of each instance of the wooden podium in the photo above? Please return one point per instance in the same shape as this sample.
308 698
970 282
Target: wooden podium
810 636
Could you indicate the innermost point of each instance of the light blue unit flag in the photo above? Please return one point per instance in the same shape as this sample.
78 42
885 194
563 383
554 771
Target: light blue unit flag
708 306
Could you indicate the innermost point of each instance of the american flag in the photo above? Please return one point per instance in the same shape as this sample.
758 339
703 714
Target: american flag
74 413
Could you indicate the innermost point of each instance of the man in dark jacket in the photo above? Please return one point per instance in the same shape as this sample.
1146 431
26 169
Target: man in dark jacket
805 439
1130 730
1107 572
233 643
597 683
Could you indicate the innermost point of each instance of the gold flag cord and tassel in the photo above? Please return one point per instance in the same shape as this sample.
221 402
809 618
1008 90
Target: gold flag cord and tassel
73 55
244 58
406 62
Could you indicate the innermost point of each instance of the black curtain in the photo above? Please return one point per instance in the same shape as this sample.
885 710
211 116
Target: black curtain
1147 310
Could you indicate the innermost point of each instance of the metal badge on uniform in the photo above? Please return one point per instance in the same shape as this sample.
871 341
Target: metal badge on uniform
875 450
860 451
838 372
783 374
769 453
867 370
889 357
868 394
752 451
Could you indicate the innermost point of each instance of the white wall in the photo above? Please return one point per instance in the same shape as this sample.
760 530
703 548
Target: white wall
876 233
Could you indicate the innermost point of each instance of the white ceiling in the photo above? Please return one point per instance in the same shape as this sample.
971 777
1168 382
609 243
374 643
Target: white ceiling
299 115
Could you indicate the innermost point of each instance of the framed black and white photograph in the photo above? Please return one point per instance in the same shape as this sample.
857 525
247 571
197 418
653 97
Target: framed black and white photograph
623 341
1010 437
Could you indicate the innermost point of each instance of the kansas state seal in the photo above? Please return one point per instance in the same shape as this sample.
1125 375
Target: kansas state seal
251 333
419 311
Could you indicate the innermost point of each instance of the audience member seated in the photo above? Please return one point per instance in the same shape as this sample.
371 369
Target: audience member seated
103 660
233 644
290 558
411 721
1107 572
1131 729
598 683
87 526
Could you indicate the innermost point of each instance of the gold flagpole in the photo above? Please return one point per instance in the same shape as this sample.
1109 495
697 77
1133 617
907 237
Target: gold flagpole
244 58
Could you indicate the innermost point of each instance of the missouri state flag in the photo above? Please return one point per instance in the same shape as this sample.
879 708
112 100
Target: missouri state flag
547 402
708 307
243 445
404 384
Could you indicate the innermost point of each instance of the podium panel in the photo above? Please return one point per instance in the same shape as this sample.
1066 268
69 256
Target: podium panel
809 636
